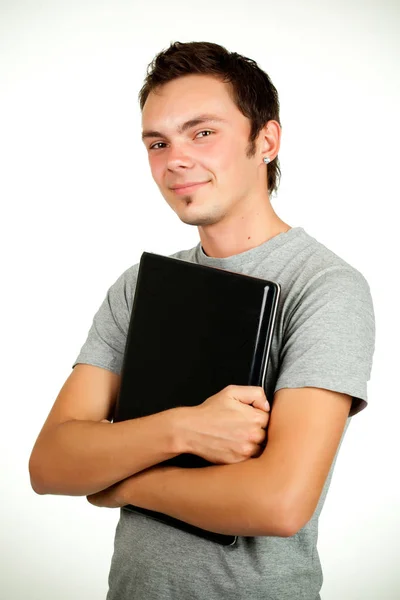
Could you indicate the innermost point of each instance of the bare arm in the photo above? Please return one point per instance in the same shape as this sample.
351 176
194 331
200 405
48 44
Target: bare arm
76 454
274 494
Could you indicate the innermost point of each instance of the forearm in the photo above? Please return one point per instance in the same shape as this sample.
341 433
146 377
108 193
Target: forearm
82 457
228 499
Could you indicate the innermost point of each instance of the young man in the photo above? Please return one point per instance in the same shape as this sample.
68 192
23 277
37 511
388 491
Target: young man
212 131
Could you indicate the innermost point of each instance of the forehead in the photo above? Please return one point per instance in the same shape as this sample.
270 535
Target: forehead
176 101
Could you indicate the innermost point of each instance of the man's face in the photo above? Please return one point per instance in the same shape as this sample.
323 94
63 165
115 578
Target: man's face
195 134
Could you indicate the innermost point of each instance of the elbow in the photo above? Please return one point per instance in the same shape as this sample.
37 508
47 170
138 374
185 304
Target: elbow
285 527
289 526
38 482
42 472
282 522
44 468
38 488
292 519
47 477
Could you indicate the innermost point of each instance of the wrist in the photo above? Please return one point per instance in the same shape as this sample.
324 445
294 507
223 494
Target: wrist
183 429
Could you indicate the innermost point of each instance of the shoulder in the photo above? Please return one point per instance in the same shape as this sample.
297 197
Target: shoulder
326 298
129 276
121 292
316 267
123 288
317 258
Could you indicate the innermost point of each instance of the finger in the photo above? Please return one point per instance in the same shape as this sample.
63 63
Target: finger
262 418
250 394
258 450
260 400
260 438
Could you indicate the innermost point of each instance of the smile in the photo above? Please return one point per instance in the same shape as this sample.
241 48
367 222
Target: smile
189 189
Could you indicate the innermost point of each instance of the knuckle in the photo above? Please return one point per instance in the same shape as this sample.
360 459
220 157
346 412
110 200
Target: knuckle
254 435
247 449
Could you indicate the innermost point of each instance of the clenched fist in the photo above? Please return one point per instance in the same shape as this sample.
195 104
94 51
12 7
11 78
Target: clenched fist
230 426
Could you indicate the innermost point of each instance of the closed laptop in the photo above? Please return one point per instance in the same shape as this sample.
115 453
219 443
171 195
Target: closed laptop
193 331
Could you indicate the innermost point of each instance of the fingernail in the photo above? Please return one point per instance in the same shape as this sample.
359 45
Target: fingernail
267 404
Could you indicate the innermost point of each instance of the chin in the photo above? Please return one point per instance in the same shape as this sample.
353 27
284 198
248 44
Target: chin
200 220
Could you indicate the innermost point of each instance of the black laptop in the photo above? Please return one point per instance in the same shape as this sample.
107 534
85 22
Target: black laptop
193 331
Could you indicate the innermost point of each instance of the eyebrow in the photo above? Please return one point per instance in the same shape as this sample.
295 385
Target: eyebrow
186 125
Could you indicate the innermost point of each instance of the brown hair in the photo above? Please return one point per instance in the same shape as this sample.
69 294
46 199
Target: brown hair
252 90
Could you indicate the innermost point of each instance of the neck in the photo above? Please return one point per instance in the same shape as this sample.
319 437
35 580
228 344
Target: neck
241 233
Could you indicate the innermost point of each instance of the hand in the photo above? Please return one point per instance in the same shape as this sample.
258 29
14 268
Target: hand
109 498
230 426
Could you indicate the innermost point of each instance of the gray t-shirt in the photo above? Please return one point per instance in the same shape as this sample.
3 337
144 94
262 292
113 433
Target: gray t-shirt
324 337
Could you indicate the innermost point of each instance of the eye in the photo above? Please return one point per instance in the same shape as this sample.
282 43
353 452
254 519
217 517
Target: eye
207 131
161 145
153 146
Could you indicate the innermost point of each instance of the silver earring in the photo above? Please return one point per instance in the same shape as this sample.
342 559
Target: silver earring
267 160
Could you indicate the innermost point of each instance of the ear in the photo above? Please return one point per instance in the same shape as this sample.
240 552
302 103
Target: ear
269 140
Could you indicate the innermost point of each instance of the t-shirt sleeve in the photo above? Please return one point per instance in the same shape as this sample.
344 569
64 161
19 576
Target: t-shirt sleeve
329 337
105 343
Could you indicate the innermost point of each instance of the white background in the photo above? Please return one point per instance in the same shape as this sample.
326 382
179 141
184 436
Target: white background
78 206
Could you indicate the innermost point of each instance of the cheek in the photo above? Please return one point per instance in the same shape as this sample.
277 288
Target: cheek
155 167
231 164
220 159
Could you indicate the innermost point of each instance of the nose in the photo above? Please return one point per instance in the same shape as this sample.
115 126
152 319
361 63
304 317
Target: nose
178 158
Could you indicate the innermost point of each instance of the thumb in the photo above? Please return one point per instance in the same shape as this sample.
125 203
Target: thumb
252 395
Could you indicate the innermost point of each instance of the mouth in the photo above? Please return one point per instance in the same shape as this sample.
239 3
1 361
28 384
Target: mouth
189 189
